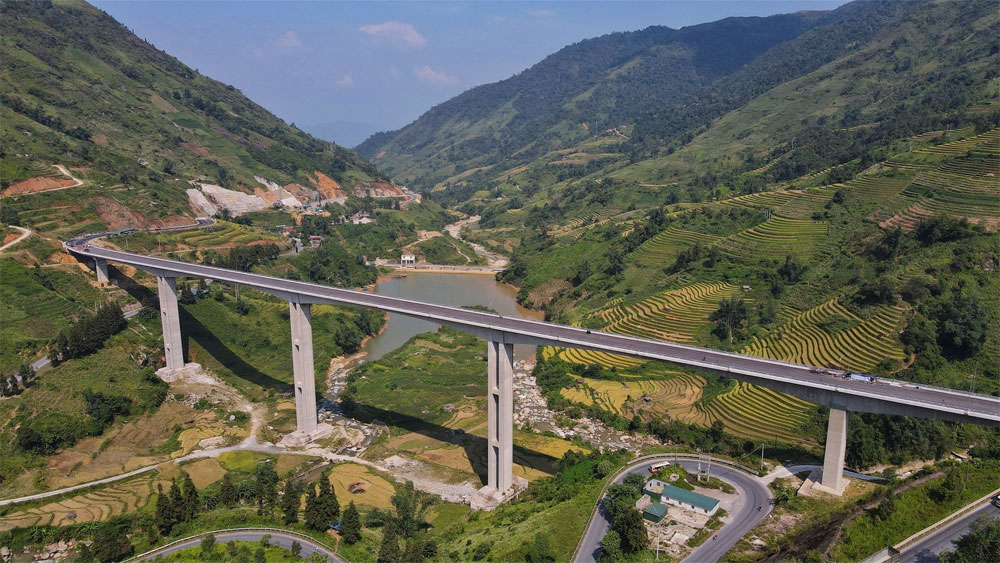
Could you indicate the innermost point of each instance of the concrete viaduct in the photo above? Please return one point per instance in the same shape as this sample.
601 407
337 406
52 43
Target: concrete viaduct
842 395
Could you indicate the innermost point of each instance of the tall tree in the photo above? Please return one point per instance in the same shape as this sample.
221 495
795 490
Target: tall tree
290 502
313 517
632 531
227 492
388 552
164 520
731 318
192 502
350 527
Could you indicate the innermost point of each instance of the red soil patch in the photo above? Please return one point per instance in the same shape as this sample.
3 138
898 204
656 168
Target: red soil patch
203 151
327 186
10 237
380 154
35 185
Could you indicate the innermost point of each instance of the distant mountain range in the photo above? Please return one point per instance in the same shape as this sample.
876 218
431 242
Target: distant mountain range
646 94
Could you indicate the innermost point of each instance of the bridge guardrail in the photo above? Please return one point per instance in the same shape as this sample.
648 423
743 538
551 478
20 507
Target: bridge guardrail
308 538
649 457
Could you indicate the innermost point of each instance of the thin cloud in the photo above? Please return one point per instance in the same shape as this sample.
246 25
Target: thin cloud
427 74
346 81
397 32
288 42
541 13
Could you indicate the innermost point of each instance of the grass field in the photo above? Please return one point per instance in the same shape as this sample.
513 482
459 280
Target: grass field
221 235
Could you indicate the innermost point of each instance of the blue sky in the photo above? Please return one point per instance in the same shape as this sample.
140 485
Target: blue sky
343 70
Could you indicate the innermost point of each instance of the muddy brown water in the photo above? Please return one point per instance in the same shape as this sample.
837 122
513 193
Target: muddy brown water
444 289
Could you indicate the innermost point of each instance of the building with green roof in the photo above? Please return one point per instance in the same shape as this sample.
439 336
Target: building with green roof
655 512
669 494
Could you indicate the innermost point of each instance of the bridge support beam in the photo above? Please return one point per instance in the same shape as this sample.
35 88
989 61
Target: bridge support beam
833 480
304 378
500 481
101 267
170 320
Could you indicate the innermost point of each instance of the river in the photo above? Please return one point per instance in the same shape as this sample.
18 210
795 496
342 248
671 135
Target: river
444 289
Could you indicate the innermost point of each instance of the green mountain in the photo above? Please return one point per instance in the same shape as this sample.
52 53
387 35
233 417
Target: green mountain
662 81
80 90
573 94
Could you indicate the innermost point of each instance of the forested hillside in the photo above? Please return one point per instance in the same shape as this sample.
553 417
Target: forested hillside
79 89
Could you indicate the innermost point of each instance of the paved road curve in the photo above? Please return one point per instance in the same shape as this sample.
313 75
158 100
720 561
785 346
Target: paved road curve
936 402
753 492
928 549
277 538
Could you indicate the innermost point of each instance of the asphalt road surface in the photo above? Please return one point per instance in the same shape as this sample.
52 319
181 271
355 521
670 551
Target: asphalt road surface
928 549
975 408
277 538
753 492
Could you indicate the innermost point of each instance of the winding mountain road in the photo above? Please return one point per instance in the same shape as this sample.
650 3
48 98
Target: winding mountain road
751 489
279 538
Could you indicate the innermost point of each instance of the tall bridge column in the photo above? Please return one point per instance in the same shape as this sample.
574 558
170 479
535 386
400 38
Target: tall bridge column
500 416
170 320
101 267
836 447
304 379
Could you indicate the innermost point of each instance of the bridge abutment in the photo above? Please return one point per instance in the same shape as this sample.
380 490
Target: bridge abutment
304 379
833 480
170 320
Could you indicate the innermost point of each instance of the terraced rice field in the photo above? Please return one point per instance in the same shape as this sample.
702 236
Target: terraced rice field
876 188
664 247
675 395
804 205
763 200
758 413
778 236
578 226
95 506
968 187
674 315
603 359
860 347
956 148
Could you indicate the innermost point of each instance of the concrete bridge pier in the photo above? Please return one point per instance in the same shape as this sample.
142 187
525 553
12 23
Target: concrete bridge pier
500 481
304 379
101 267
173 347
833 480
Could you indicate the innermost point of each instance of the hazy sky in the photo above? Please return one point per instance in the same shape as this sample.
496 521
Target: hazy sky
343 70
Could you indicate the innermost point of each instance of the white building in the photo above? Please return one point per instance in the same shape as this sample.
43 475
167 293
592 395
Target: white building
408 260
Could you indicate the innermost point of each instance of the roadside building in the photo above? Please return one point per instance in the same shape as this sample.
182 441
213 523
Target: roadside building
655 512
408 260
659 491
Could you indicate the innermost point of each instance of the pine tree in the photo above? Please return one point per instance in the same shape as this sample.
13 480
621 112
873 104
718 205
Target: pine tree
414 552
290 503
227 492
175 504
388 552
163 511
350 527
314 520
191 502
327 500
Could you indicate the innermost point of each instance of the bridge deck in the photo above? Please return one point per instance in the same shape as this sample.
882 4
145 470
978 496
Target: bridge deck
890 397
